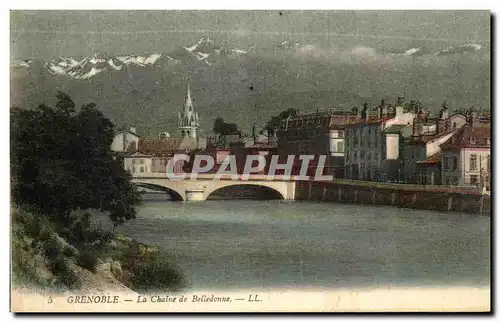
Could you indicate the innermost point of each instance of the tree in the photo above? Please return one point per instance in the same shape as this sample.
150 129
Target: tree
276 120
223 128
62 160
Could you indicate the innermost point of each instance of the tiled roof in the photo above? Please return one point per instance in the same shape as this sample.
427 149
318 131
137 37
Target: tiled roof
433 159
395 129
167 146
469 137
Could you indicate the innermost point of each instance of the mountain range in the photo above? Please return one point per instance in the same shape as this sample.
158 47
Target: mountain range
251 85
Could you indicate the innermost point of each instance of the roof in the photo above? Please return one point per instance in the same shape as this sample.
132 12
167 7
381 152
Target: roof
426 137
433 159
396 128
127 131
469 137
168 146
372 120
137 154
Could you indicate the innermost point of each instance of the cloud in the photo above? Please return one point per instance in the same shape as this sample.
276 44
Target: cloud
312 51
358 54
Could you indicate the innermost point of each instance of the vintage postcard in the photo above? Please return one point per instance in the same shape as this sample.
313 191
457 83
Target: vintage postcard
250 161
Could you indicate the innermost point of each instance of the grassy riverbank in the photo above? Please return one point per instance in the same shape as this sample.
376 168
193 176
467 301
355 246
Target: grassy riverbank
86 256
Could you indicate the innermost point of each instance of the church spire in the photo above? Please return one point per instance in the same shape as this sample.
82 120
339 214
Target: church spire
188 104
188 119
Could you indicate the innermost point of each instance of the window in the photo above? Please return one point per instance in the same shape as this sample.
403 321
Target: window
341 134
474 179
472 140
141 169
488 164
455 163
133 161
473 162
141 161
340 146
454 125
445 163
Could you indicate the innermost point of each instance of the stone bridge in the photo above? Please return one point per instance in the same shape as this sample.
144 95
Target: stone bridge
204 185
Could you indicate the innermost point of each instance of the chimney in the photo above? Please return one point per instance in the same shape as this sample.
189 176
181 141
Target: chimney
364 113
133 129
399 110
355 110
380 109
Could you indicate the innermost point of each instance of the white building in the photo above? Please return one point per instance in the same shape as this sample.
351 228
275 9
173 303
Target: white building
370 151
422 152
125 140
466 157
138 163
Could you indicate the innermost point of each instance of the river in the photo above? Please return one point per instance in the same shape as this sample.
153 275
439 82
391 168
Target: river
260 244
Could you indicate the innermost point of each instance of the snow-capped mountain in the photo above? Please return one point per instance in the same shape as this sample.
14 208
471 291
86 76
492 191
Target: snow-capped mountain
452 50
21 63
287 44
460 49
205 52
90 66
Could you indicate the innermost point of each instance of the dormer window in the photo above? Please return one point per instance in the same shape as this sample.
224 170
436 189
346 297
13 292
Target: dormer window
488 141
472 140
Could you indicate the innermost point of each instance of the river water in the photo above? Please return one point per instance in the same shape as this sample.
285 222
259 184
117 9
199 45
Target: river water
233 244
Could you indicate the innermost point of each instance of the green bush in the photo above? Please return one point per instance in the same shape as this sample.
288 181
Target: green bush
87 259
156 274
52 249
69 251
65 276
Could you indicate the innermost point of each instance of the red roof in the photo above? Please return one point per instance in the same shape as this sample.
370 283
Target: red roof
159 147
469 137
433 159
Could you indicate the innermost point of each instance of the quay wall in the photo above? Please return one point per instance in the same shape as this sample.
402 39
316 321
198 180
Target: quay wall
403 196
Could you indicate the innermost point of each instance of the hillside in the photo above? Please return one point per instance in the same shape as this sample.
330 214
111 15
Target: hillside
252 84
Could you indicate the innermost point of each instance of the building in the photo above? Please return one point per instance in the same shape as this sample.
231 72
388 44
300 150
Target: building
374 142
137 163
125 140
466 156
422 152
320 133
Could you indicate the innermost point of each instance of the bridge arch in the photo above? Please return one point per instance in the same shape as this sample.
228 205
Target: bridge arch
174 195
260 191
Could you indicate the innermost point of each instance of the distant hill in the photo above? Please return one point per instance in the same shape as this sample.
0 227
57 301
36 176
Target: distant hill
252 84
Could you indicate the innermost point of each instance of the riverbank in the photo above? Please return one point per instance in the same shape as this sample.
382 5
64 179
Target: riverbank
443 199
86 256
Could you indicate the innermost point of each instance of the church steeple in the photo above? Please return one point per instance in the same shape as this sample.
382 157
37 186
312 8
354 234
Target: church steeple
188 119
188 103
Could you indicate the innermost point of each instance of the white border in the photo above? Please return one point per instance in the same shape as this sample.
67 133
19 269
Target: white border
256 4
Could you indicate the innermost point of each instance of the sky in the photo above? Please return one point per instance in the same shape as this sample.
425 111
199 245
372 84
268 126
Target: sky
48 34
